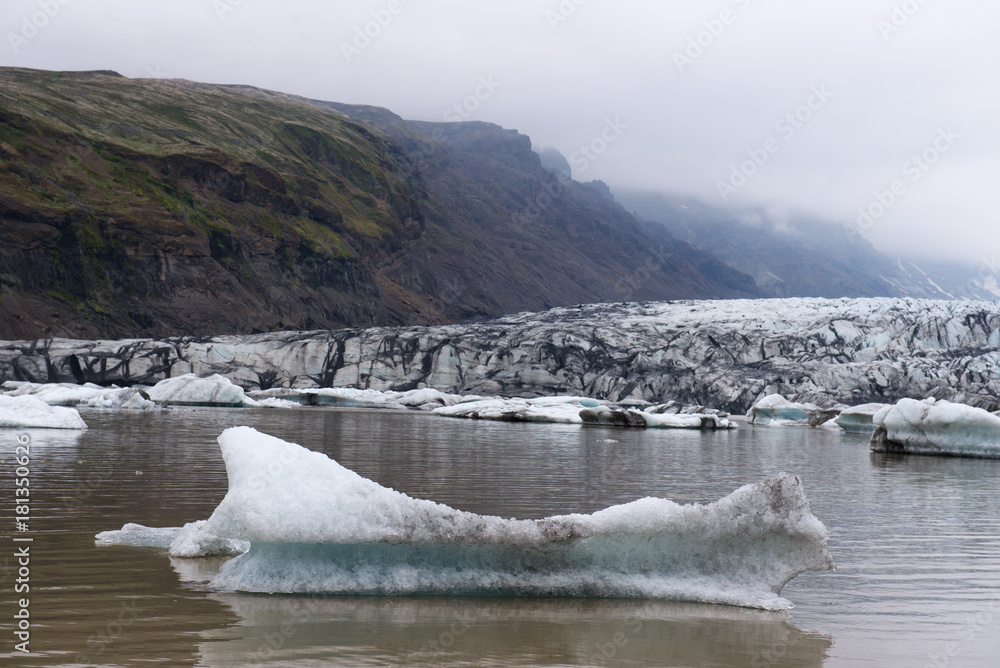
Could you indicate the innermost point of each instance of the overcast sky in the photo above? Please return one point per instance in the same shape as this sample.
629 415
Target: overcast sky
667 95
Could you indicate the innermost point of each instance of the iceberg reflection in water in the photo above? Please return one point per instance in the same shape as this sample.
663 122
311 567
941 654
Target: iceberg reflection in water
317 527
320 630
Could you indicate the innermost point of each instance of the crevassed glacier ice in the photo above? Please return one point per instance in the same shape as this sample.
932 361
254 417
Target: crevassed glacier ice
932 427
315 526
28 411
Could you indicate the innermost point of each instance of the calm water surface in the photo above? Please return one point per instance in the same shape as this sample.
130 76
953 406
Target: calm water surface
916 541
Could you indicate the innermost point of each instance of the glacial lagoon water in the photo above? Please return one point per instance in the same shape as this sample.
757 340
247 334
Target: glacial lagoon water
916 541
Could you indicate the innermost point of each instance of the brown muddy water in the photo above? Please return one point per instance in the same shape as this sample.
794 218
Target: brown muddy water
916 541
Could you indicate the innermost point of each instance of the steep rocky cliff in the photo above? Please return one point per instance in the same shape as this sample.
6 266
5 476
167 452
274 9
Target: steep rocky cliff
162 207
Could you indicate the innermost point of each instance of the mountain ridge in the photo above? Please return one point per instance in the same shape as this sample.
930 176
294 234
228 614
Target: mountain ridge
143 207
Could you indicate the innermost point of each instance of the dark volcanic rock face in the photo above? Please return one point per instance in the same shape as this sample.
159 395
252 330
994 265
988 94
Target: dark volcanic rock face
717 354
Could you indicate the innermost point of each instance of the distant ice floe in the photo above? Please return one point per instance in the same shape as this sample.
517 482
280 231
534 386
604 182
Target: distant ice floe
190 390
859 418
423 399
87 395
583 410
776 411
559 410
27 411
656 417
54 394
315 526
932 427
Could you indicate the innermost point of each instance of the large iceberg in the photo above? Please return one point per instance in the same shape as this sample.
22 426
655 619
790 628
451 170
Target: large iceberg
933 427
314 526
28 411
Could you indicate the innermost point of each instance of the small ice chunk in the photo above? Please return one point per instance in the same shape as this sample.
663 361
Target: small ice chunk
28 411
139 536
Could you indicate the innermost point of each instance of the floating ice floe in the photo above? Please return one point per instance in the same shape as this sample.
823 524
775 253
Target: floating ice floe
56 394
190 390
560 410
423 399
859 418
776 411
28 411
314 526
129 398
654 417
932 427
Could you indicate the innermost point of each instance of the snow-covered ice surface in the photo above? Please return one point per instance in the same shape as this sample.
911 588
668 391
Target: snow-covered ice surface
190 390
314 526
724 354
28 411
936 428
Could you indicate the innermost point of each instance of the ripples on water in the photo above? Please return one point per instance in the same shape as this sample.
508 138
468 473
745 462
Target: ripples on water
916 541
